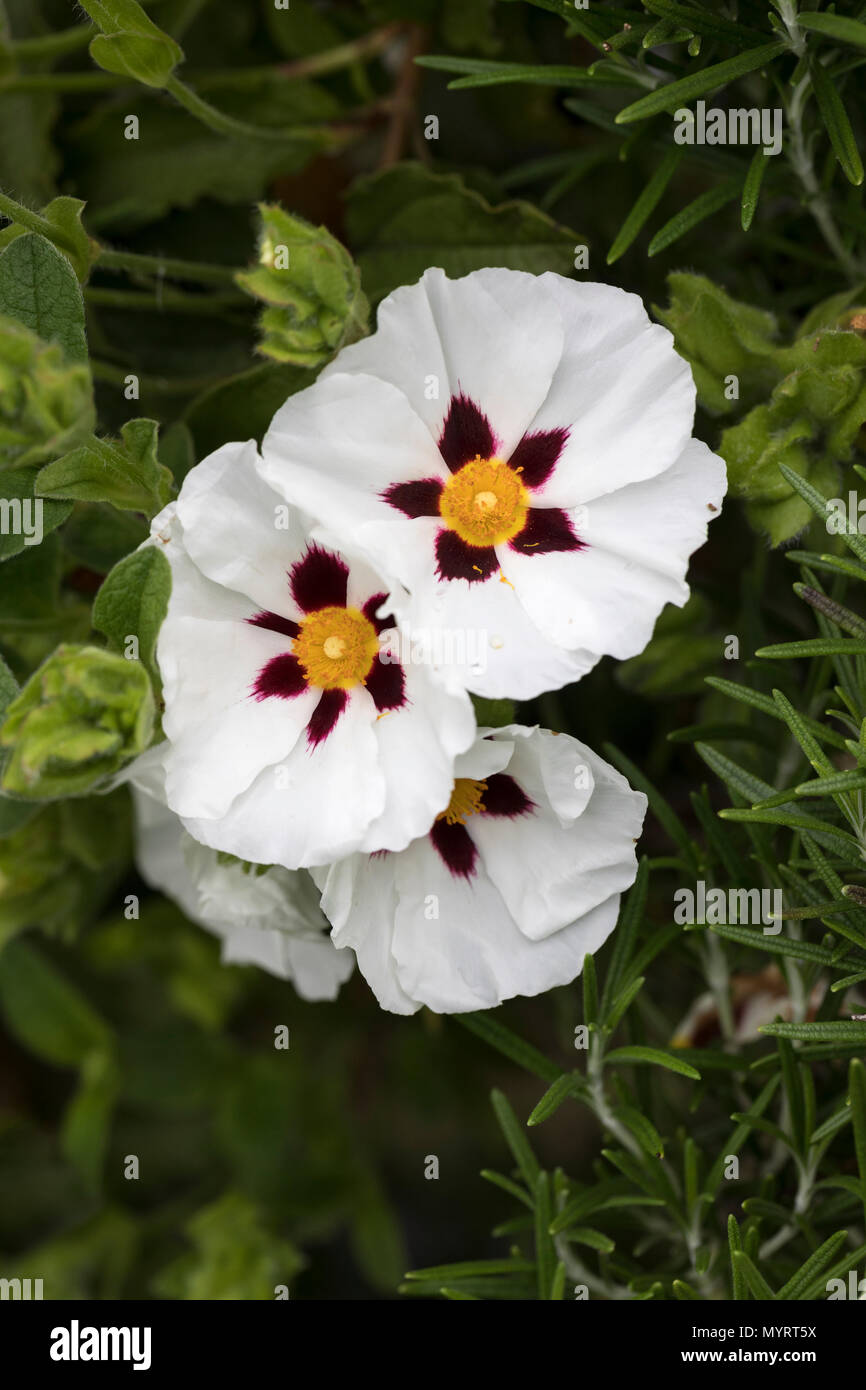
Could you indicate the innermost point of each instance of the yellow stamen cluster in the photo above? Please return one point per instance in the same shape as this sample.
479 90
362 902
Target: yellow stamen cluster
467 799
484 502
336 647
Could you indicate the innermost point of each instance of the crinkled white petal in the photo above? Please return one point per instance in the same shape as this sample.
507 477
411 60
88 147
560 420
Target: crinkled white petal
624 394
545 891
271 918
607 597
312 806
417 747
238 531
576 849
482 336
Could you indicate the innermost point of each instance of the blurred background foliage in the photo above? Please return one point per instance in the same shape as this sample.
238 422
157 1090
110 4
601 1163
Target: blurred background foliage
121 1034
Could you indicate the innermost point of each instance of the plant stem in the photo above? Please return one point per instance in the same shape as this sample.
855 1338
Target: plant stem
15 212
803 166
132 261
166 298
598 1098
53 45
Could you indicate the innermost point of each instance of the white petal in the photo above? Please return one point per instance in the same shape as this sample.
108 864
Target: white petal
220 736
417 747
482 335
607 597
360 898
473 956
334 448
624 394
232 528
313 806
576 849
481 638
270 919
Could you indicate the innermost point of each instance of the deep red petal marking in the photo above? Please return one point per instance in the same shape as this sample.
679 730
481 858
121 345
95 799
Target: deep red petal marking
536 454
454 846
325 715
457 560
274 622
420 498
466 434
547 529
282 676
369 611
504 797
387 684
318 580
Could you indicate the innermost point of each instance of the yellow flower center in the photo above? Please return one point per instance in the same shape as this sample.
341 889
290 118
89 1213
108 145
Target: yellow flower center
466 800
484 502
336 647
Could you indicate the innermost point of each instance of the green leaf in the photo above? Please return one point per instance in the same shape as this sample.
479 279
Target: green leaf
819 505
587 1235
26 518
38 287
752 1275
545 1253
651 1056
643 1130
777 945
839 1033
495 1034
133 601
516 1139
590 992
857 1098
693 214
568 1084
127 474
645 205
676 94
813 1267
44 1011
87 1119
631 915
834 26
752 187
402 220
838 125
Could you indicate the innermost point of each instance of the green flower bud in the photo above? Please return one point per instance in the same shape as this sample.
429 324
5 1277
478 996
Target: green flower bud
78 719
46 403
721 339
810 423
311 286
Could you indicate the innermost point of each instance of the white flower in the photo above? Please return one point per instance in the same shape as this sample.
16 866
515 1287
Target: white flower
269 918
514 884
516 451
292 739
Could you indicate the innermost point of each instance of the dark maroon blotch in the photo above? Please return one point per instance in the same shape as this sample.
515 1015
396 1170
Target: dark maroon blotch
503 797
318 580
386 683
274 622
547 529
466 434
457 560
283 677
453 844
536 454
325 715
420 498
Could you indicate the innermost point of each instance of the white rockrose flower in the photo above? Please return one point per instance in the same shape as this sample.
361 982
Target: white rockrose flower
516 451
267 917
293 734
516 881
